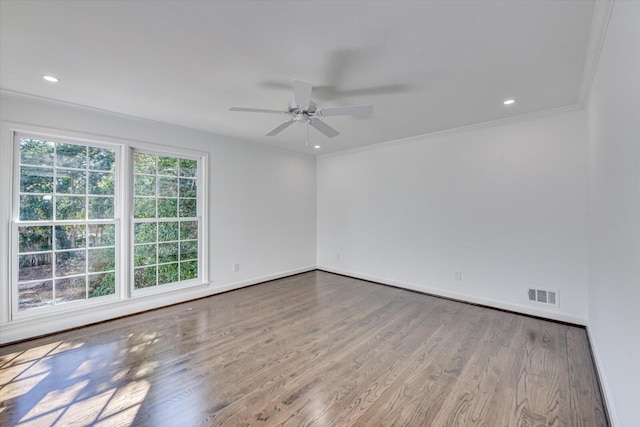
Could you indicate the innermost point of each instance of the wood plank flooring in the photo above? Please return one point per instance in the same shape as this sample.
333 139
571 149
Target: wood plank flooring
312 349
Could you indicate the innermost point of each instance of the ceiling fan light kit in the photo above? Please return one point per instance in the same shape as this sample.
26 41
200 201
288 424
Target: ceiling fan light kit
302 109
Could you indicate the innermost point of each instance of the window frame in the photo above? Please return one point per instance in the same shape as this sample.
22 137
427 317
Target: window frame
123 220
16 223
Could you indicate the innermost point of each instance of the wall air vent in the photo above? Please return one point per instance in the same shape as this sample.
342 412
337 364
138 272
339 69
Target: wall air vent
543 296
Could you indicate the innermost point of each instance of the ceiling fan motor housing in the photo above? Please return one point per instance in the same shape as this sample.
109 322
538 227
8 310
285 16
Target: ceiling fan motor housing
295 109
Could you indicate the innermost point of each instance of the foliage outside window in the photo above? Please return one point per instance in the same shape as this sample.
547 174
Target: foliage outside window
67 232
166 223
66 228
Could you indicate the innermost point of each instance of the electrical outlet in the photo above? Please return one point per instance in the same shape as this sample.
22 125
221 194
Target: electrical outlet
236 267
458 275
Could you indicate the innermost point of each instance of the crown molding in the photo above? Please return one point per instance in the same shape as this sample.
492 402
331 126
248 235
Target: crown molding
505 121
599 24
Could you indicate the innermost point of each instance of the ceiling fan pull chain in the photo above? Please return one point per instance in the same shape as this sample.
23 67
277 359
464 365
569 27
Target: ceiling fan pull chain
307 134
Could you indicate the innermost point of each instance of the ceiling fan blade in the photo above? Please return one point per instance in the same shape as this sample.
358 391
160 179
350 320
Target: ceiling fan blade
280 128
350 110
257 110
323 128
302 91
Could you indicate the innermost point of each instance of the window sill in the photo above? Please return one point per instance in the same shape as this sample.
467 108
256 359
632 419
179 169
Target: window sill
25 327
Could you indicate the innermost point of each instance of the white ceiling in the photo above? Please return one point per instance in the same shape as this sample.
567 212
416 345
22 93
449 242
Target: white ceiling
425 66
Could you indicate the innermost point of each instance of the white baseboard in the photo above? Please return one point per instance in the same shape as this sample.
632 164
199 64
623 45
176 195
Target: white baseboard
261 279
29 328
562 317
604 387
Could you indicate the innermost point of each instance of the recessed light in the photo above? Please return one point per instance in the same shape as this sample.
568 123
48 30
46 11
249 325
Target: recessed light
509 101
316 147
51 79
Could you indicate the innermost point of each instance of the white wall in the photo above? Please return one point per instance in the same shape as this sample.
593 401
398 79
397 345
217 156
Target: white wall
505 204
614 192
262 205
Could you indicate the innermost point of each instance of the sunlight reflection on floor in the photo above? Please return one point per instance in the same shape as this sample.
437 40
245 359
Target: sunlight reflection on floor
21 387
57 383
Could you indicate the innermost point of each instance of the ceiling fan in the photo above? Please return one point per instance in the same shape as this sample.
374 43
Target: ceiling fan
303 109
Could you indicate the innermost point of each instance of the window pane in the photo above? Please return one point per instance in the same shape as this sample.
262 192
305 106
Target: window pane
34 239
144 163
70 236
188 208
167 208
103 259
188 230
36 152
144 207
101 207
144 277
144 185
70 207
36 180
36 208
73 288
144 232
71 181
167 273
101 183
188 187
167 231
102 284
71 156
167 166
31 295
144 255
54 260
188 270
35 266
188 250
167 252
102 159
188 167
102 235
70 263
167 187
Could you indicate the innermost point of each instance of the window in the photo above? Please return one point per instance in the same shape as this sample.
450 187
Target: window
66 233
72 229
165 211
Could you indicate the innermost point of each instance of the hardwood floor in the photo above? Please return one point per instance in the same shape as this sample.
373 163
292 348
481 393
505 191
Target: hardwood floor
312 349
